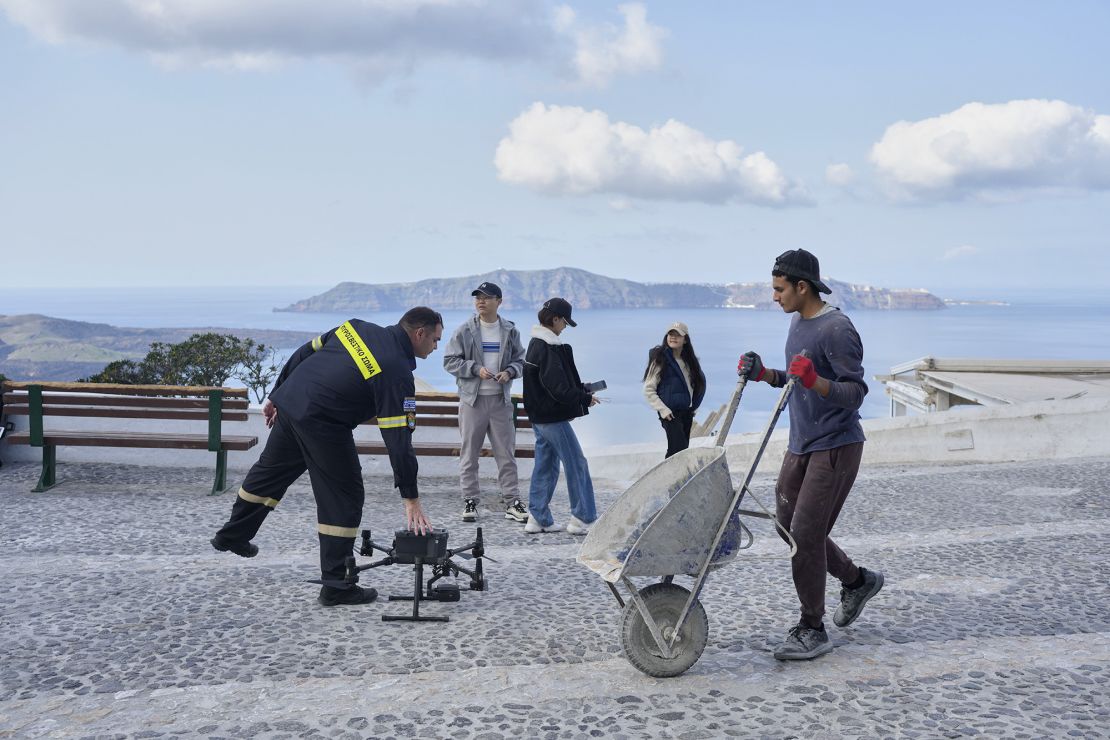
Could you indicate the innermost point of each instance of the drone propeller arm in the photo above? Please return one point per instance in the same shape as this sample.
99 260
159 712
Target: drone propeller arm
375 564
477 547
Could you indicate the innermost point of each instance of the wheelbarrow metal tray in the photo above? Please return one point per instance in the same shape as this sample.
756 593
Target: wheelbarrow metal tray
664 524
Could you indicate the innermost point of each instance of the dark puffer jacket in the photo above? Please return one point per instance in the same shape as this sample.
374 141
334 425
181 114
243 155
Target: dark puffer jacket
672 388
553 390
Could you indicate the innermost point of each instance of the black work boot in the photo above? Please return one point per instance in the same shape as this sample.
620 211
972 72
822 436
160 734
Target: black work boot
346 596
242 549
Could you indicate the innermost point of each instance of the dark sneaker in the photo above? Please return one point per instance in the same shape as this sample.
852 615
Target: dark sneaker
516 511
470 510
803 643
242 549
346 596
853 599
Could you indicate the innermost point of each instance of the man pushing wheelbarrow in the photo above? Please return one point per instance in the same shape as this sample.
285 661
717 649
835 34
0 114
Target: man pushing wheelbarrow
824 451
683 516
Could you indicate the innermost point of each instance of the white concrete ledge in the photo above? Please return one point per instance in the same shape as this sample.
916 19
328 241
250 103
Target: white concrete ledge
1043 430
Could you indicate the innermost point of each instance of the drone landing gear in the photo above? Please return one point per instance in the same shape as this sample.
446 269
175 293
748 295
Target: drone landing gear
439 593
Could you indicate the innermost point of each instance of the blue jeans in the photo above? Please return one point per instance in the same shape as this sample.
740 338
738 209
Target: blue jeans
557 443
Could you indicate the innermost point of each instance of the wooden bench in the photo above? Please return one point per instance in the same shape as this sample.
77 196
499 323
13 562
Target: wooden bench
103 401
435 409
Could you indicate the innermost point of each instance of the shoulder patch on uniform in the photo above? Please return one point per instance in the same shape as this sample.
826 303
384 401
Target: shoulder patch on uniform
410 411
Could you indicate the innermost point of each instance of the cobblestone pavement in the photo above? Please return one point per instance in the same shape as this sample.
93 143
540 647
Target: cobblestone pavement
117 619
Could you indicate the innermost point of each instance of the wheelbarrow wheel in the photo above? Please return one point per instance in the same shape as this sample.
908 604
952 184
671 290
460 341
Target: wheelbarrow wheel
664 602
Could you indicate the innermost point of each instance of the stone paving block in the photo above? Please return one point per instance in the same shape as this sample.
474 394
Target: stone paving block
118 619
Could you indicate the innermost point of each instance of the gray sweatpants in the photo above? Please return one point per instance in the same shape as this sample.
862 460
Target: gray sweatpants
491 415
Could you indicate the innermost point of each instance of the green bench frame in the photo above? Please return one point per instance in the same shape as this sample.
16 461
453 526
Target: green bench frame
38 400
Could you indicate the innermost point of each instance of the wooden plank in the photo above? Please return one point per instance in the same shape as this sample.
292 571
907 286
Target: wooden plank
126 390
437 449
71 399
128 439
107 412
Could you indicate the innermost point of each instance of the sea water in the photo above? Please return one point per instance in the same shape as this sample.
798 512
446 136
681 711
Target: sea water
612 345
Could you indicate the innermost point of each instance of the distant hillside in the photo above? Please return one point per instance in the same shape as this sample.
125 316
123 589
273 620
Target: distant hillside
529 288
35 347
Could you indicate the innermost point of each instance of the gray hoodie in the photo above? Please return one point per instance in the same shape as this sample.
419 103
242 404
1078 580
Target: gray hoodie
463 357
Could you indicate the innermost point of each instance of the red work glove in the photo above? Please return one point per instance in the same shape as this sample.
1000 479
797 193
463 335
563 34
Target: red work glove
751 365
802 368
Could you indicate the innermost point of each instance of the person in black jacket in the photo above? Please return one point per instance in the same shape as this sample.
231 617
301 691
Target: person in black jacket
674 385
329 386
553 396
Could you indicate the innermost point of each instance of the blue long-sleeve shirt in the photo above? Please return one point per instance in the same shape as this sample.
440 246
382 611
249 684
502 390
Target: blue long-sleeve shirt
836 350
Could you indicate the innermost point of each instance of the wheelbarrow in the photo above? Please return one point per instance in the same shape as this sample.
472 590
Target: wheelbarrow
682 517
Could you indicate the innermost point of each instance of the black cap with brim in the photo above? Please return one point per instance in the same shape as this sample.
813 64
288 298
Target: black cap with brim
561 308
494 291
803 265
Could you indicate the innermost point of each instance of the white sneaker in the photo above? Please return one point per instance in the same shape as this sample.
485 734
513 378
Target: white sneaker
577 526
516 511
534 527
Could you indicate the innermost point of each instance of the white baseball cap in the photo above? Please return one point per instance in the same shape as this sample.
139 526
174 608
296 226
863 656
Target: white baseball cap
679 327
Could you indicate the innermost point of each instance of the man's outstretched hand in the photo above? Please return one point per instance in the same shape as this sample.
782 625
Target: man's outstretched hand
415 520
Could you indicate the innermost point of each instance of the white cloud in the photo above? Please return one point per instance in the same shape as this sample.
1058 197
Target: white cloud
375 38
960 252
840 175
602 52
561 150
981 150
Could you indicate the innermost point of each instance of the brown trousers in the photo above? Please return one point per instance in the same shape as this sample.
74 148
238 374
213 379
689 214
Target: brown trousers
808 497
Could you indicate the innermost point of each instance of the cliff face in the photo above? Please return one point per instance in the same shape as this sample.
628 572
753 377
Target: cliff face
845 295
35 347
527 289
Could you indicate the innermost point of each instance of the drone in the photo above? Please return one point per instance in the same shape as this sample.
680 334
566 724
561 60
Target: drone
418 550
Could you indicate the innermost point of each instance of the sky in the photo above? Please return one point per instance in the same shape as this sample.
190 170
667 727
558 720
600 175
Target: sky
959 147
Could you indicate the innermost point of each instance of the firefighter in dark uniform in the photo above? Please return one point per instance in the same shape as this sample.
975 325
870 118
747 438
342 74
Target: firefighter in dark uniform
328 387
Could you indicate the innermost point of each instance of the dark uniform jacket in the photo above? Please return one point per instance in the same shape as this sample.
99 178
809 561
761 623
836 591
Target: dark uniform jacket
350 374
552 387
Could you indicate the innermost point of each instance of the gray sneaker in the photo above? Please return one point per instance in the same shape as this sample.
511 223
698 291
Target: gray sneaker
516 511
803 643
853 599
470 510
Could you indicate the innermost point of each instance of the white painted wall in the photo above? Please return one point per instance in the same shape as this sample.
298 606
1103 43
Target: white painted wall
1042 430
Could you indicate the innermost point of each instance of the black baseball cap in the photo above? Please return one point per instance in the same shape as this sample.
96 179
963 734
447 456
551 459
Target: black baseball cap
798 263
488 289
561 308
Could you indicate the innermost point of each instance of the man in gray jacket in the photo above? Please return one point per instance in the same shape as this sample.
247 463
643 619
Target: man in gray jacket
485 354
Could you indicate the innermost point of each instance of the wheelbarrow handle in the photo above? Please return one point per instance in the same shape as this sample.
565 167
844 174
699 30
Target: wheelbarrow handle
734 403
